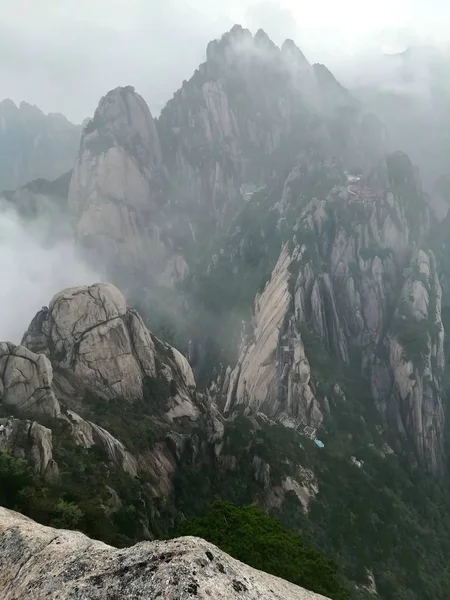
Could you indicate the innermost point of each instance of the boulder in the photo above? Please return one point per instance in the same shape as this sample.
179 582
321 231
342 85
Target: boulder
98 347
26 381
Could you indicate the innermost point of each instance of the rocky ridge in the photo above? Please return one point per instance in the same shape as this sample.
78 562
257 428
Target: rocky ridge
99 346
62 564
358 274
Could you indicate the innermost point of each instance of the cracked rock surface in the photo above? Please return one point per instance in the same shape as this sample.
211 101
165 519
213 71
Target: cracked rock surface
38 562
94 343
25 380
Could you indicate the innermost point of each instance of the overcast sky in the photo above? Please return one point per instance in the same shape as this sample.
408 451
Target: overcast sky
63 55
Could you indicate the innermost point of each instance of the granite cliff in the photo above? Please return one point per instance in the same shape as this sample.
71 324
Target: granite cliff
358 273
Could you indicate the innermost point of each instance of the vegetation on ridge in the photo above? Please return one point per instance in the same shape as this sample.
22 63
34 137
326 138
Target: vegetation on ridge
248 534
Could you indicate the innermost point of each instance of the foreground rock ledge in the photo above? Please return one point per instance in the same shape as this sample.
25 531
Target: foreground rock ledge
38 562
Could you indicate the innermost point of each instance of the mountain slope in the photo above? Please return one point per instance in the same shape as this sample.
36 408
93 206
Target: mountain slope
99 382
34 145
357 273
409 93
149 196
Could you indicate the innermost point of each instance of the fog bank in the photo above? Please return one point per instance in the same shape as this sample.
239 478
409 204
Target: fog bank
32 272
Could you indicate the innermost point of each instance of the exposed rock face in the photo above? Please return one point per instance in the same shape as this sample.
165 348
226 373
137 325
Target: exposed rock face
102 351
304 486
38 562
118 189
94 343
247 110
407 384
34 145
26 380
27 386
354 275
88 434
255 378
275 358
98 346
143 193
26 439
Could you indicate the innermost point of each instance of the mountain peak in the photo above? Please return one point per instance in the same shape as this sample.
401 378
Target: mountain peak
330 87
118 92
216 49
8 104
30 109
236 30
262 39
236 34
289 48
122 116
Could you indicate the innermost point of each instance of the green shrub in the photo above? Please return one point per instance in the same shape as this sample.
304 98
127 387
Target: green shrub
414 337
248 534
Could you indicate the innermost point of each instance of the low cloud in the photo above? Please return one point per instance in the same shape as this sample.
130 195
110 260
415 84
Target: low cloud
63 56
32 272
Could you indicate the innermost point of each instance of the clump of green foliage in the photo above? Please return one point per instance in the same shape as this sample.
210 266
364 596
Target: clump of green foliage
414 337
79 496
248 534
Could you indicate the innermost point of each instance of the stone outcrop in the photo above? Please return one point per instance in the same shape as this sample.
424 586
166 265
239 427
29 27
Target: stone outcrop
38 562
29 440
407 383
100 351
27 387
273 373
88 434
94 343
100 347
26 381
118 191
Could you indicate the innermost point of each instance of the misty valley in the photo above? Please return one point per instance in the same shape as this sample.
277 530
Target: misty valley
225 334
